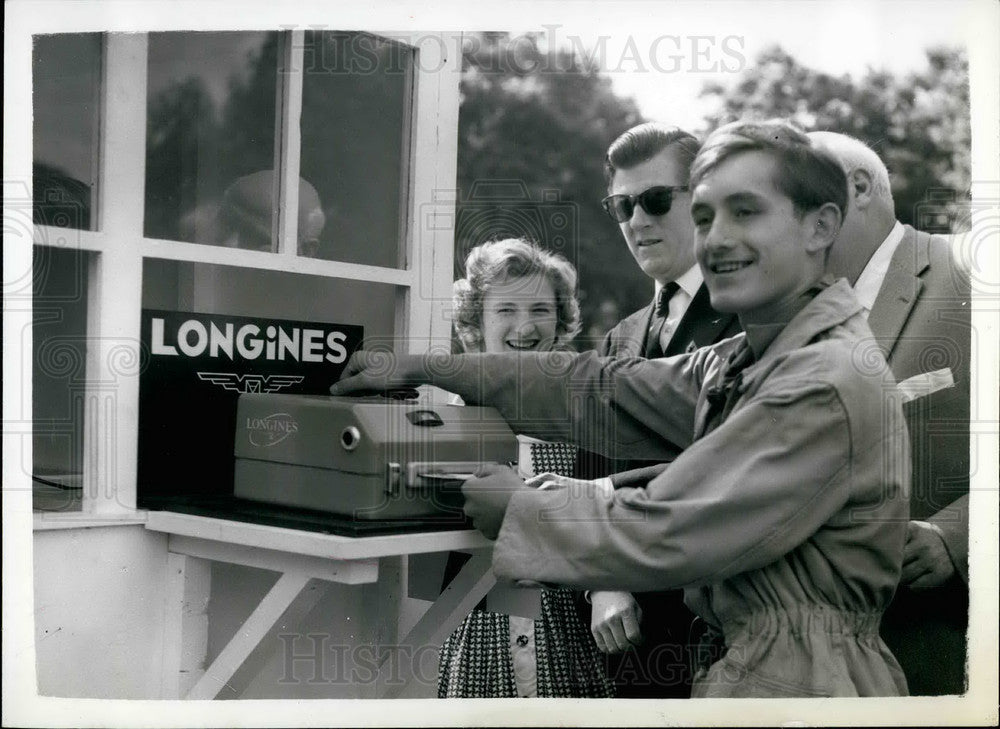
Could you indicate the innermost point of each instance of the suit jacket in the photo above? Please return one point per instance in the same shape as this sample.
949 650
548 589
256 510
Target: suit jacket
921 321
700 326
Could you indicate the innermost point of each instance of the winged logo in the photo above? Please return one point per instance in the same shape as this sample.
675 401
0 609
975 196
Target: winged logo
249 383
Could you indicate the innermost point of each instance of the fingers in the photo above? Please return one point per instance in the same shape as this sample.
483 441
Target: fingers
630 626
602 644
615 637
546 481
379 371
926 562
487 494
913 555
350 385
926 581
912 572
481 519
485 470
615 621
352 378
540 478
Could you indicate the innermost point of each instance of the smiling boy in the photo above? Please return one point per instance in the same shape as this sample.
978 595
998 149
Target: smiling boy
784 519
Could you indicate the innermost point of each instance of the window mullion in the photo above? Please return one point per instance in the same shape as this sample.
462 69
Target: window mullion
288 133
111 402
433 183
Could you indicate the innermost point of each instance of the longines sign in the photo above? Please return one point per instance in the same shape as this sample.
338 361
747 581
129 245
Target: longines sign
198 366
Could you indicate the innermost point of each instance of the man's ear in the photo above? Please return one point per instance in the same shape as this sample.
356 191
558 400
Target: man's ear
861 187
826 225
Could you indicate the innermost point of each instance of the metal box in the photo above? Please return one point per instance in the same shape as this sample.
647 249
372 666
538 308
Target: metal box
363 457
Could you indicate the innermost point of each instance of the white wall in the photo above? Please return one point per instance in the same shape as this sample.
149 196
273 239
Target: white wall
99 624
317 657
99 612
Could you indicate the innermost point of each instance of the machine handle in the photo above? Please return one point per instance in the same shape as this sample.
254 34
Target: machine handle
438 473
425 418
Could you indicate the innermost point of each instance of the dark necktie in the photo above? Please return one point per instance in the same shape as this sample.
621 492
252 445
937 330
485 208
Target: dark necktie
722 397
653 348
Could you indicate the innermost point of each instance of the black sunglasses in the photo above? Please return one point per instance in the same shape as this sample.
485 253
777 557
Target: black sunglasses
655 201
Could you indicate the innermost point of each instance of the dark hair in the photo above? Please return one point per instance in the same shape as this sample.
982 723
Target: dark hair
502 260
807 175
641 143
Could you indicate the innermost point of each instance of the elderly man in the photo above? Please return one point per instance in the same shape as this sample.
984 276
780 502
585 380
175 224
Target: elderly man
917 299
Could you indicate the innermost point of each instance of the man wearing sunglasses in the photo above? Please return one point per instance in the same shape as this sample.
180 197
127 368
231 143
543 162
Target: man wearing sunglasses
646 634
647 170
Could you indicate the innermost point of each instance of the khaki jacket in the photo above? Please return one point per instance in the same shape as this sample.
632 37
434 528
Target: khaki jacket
785 525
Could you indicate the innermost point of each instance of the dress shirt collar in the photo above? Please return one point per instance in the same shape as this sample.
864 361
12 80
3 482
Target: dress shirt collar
690 281
870 281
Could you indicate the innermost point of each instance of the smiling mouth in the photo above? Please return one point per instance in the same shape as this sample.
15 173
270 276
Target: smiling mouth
728 266
524 344
648 242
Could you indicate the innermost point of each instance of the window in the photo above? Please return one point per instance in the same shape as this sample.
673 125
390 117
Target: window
58 387
210 142
204 137
65 104
210 115
355 108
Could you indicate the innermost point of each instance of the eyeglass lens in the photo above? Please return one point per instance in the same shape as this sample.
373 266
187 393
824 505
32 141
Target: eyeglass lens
655 201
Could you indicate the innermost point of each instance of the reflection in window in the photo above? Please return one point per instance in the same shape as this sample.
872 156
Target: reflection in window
210 137
355 122
66 70
58 385
212 289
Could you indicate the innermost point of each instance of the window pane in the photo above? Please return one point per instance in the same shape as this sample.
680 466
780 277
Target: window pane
355 122
59 327
212 289
66 70
210 137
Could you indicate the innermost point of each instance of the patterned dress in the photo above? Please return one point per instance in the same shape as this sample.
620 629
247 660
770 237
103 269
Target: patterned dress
476 660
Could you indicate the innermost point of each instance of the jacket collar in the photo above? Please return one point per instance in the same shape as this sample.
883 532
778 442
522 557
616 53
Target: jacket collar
900 289
831 307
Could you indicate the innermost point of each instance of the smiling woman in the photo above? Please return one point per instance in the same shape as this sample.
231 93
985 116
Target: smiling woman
517 297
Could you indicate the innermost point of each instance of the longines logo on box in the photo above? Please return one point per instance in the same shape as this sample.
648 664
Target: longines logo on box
271 429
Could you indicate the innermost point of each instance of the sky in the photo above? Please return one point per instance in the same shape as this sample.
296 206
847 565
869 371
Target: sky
664 61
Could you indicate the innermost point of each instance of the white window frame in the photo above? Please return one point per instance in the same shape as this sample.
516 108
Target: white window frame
114 291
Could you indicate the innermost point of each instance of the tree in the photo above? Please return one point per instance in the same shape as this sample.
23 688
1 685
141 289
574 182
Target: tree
533 130
919 124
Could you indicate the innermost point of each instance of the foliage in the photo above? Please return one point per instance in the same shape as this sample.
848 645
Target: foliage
918 124
542 121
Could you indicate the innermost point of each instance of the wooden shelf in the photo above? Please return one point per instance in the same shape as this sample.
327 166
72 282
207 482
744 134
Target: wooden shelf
299 542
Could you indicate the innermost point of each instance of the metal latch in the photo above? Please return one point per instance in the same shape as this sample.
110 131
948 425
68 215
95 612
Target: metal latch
393 477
